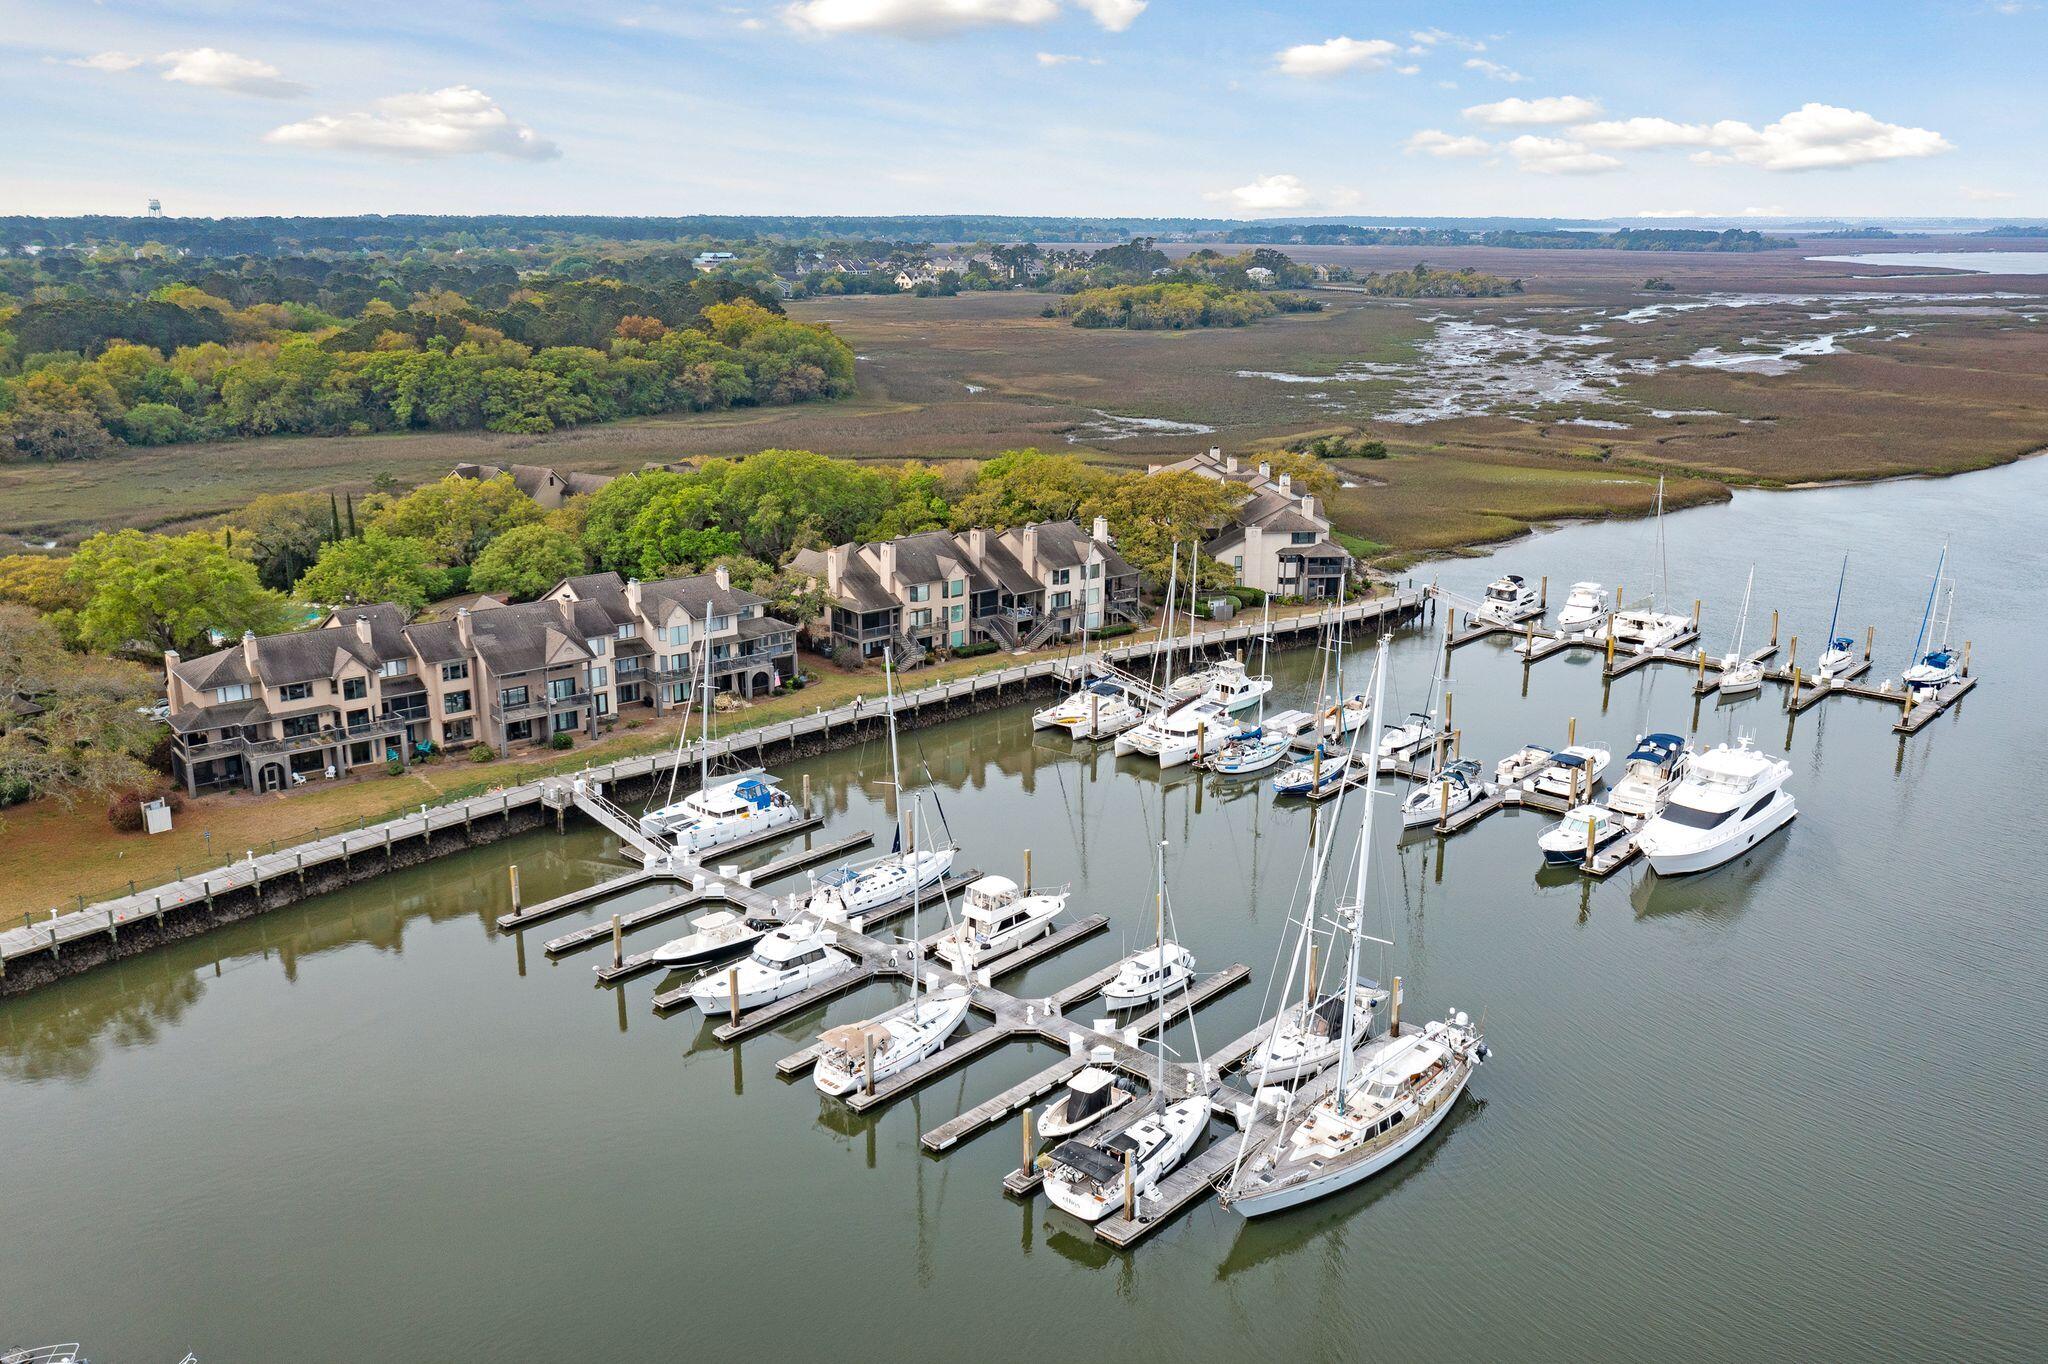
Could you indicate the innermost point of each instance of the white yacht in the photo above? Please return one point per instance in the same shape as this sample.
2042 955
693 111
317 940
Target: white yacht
1446 791
1573 772
1075 707
996 918
743 806
1585 606
1508 599
1088 1179
1652 769
786 962
1419 730
1091 1095
1645 629
1935 669
1523 763
856 888
1568 841
1149 974
1741 674
717 934
1100 710
1250 752
1731 800
1234 689
1310 1034
899 1040
1180 733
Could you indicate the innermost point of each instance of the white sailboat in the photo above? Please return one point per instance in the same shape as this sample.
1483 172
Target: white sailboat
1839 655
1741 674
1255 749
1390 1094
1935 669
1645 628
1443 793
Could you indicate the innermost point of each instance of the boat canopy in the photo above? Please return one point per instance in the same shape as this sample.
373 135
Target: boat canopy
852 1038
1107 688
1094 1162
1328 1016
1940 658
991 893
1089 1093
1842 642
1568 759
843 874
755 792
1658 748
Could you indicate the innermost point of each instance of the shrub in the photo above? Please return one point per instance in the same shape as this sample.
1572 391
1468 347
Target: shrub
1112 631
1246 596
986 646
482 753
562 741
395 768
124 812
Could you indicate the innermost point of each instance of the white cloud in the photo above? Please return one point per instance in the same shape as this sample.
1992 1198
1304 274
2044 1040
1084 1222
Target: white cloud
1267 194
105 61
1559 156
217 70
1493 69
456 121
1410 70
917 18
1767 211
1639 133
1987 196
1335 56
1065 59
1518 112
1430 37
1822 137
1435 142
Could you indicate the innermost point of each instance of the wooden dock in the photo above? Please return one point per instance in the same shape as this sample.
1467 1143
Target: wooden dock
665 908
1923 713
803 857
562 904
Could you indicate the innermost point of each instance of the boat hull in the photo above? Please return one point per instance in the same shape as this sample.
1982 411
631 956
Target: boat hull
1687 859
1337 1178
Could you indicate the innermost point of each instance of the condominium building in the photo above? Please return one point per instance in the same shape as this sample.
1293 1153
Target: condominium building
1279 539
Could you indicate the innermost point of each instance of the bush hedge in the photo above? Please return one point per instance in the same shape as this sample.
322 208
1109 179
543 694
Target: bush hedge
986 646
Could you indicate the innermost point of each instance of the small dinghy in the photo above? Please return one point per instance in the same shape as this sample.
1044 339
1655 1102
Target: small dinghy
1149 974
1573 772
1448 790
717 934
1093 1093
1567 842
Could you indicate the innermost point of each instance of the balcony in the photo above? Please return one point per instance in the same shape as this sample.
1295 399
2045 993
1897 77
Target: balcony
326 737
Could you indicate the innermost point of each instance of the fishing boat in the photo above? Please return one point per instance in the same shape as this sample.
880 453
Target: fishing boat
1573 772
1585 606
1234 689
896 1041
1322 772
1508 599
1179 734
787 961
1730 800
1936 668
719 933
1839 655
1390 1093
1092 1179
1741 674
1523 763
1149 974
1568 841
1653 767
1448 790
1093 1094
997 918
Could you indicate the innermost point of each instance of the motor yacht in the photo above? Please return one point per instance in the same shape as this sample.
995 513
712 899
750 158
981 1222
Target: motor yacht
1585 606
1653 767
1730 800
787 961
1234 689
1419 730
1180 733
1573 772
1523 763
1094 1093
743 806
1148 974
1566 842
1089 1179
1508 599
997 918
1309 1034
852 889
1448 790
897 1041
719 933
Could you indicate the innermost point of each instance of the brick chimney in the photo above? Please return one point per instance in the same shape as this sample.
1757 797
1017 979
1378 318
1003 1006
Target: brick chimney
1100 532
464 631
249 650
722 577
1287 485
633 595
1030 555
1215 452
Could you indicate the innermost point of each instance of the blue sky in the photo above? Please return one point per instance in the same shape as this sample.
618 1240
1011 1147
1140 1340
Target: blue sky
1800 107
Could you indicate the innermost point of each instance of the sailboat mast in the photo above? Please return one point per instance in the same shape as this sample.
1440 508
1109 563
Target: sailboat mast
1159 954
1166 627
1928 613
1265 654
1742 624
1836 619
1357 917
704 749
1194 586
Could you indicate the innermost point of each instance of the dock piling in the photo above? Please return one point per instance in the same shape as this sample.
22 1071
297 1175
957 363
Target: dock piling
514 871
618 942
1571 731
732 992
868 1070
1025 1163
1027 871
1792 652
1869 639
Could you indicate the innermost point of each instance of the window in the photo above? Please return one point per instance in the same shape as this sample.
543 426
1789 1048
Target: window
920 619
920 592
628 630
1059 577
299 726
354 688
629 665
628 692
1690 818
458 731
1237 562
454 672
1095 570
673 634
1753 811
512 698
675 693
720 623
561 688
1062 600
675 663
595 678
396 667
455 702
604 704
596 646
238 692
957 588
959 613
295 691
566 721
1304 537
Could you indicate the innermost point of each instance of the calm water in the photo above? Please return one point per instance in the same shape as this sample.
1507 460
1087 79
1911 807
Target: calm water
1976 262
1792 1109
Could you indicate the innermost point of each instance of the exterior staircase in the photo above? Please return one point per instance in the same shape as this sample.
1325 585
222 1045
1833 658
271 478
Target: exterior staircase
909 653
1001 629
1044 629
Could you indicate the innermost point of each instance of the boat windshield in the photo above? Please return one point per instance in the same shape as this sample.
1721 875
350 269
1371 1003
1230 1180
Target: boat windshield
1691 818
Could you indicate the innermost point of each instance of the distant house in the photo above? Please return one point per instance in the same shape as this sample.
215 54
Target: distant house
1259 275
549 487
1017 588
711 260
1279 539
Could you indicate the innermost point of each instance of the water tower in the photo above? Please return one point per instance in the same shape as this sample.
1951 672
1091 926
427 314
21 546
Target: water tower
156 208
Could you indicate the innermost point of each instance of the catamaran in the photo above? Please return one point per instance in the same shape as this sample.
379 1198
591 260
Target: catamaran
1937 667
1390 1093
1741 674
1731 800
1184 731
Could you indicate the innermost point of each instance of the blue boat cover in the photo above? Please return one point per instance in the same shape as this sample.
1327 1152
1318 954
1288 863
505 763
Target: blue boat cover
755 792
1940 658
1842 642
1658 748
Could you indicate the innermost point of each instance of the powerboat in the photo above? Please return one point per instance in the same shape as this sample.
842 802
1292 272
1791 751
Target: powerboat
1234 689
1567 843
852 889
1340 719
1523 763
743 806
996 918
1585 606
1644 630
1180 733
1573 772
1400 1088
1090 1179
787 961
1448 790
1730 800
1508 599
1093 1094
1417 731
1309 1034
1148 974
896 1040
717 934
1250 752
1318 774
1656 765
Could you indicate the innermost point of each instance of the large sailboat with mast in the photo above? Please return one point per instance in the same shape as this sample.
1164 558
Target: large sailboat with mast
1936 668
1644 628
1390 1092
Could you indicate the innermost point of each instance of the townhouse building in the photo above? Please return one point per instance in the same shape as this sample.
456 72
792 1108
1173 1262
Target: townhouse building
1279 539
367 687
1017 588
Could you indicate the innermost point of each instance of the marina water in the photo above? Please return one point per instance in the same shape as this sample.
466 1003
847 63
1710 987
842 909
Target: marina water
1789 1109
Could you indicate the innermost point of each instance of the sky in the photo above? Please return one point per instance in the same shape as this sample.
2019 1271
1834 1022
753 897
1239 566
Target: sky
1103 107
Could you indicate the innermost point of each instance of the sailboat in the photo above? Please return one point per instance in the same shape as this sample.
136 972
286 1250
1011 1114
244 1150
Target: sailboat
1098 707
1741 674
1839 656
1346 713
861 1055
1937 667
1254 750
1421 727
744 805
855 888
1645 628
1390 1093
1091 1179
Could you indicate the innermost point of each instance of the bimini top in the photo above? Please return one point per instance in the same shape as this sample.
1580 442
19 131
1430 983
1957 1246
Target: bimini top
1567 759
755 792
1939 658
1107 688
1842 642
840 875
1658 748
